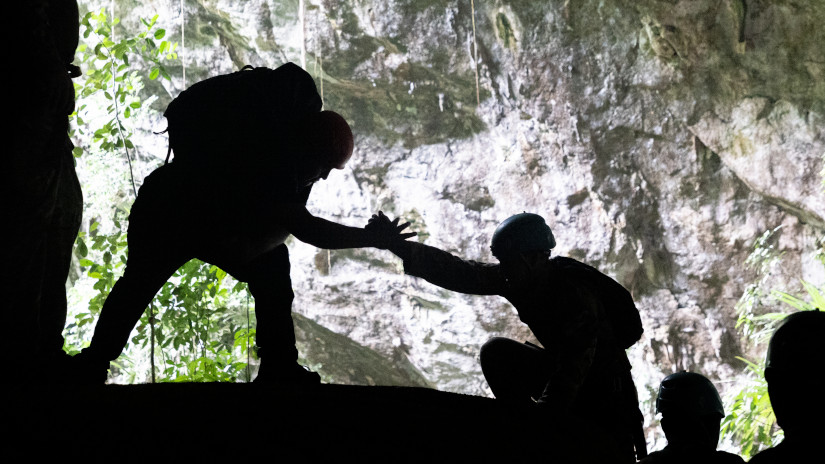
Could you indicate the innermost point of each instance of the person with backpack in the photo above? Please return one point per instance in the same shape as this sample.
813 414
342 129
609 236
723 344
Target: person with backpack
232 201
583 318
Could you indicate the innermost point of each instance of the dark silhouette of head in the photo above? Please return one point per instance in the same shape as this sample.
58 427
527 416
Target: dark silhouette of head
520 243
323 142
64 24
794 372
691 411
521 233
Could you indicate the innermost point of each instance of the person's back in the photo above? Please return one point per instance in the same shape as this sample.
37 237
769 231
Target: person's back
794 373
691 414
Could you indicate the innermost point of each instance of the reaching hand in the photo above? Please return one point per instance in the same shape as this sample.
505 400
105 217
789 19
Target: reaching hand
388 231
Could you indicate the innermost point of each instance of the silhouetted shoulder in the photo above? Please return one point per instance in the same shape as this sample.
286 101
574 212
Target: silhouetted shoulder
669 456
783 454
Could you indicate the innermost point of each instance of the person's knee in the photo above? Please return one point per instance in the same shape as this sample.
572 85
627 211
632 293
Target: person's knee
493 345
495 351
499 346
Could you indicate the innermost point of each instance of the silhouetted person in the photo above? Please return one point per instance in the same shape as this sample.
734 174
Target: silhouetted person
691 414
237 218
582 370
42 200
795 372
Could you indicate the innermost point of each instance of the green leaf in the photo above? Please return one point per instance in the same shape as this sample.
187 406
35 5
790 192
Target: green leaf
82 250
77 152
154 73
160 33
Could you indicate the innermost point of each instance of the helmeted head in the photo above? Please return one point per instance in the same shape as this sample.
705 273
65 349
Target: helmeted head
522 243
520 233
689 393
691 411
324 142
794 369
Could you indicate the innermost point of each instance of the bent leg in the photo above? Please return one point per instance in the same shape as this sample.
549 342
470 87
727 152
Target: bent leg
160 240
516 372
127 301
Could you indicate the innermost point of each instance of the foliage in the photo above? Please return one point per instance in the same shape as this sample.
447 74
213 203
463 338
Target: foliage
103 262
107 71
196 324
763 259
199 322
751 422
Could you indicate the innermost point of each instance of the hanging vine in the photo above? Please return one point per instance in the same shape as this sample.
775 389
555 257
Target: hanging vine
475 51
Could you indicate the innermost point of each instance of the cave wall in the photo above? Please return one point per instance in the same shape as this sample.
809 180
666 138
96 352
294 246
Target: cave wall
658 139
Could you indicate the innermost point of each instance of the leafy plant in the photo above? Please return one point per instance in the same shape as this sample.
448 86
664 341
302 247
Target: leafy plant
197 322
107 71
751 422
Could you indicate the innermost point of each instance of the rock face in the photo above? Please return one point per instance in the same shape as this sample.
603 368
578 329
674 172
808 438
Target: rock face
658 139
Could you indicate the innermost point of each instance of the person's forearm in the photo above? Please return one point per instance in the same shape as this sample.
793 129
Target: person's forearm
332 236
401 248
448 271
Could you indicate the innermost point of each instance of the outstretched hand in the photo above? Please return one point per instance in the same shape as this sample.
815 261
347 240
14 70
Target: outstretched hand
388 231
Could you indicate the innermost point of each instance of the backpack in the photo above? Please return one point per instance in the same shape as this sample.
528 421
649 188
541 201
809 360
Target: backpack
621 310
239 118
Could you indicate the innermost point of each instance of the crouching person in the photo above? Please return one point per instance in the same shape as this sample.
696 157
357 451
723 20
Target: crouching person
583 318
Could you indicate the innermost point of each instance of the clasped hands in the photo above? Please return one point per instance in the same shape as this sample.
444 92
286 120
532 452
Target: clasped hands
387 231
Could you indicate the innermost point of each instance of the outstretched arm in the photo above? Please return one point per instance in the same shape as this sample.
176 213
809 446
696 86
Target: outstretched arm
322 233
437 266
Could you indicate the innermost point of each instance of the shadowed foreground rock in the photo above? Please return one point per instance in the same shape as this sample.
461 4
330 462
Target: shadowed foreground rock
328 423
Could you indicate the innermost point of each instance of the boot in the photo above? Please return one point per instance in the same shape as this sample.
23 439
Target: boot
85 369
293 373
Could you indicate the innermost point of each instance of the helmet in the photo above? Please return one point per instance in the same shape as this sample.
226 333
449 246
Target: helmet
798 342
689 393
522 232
